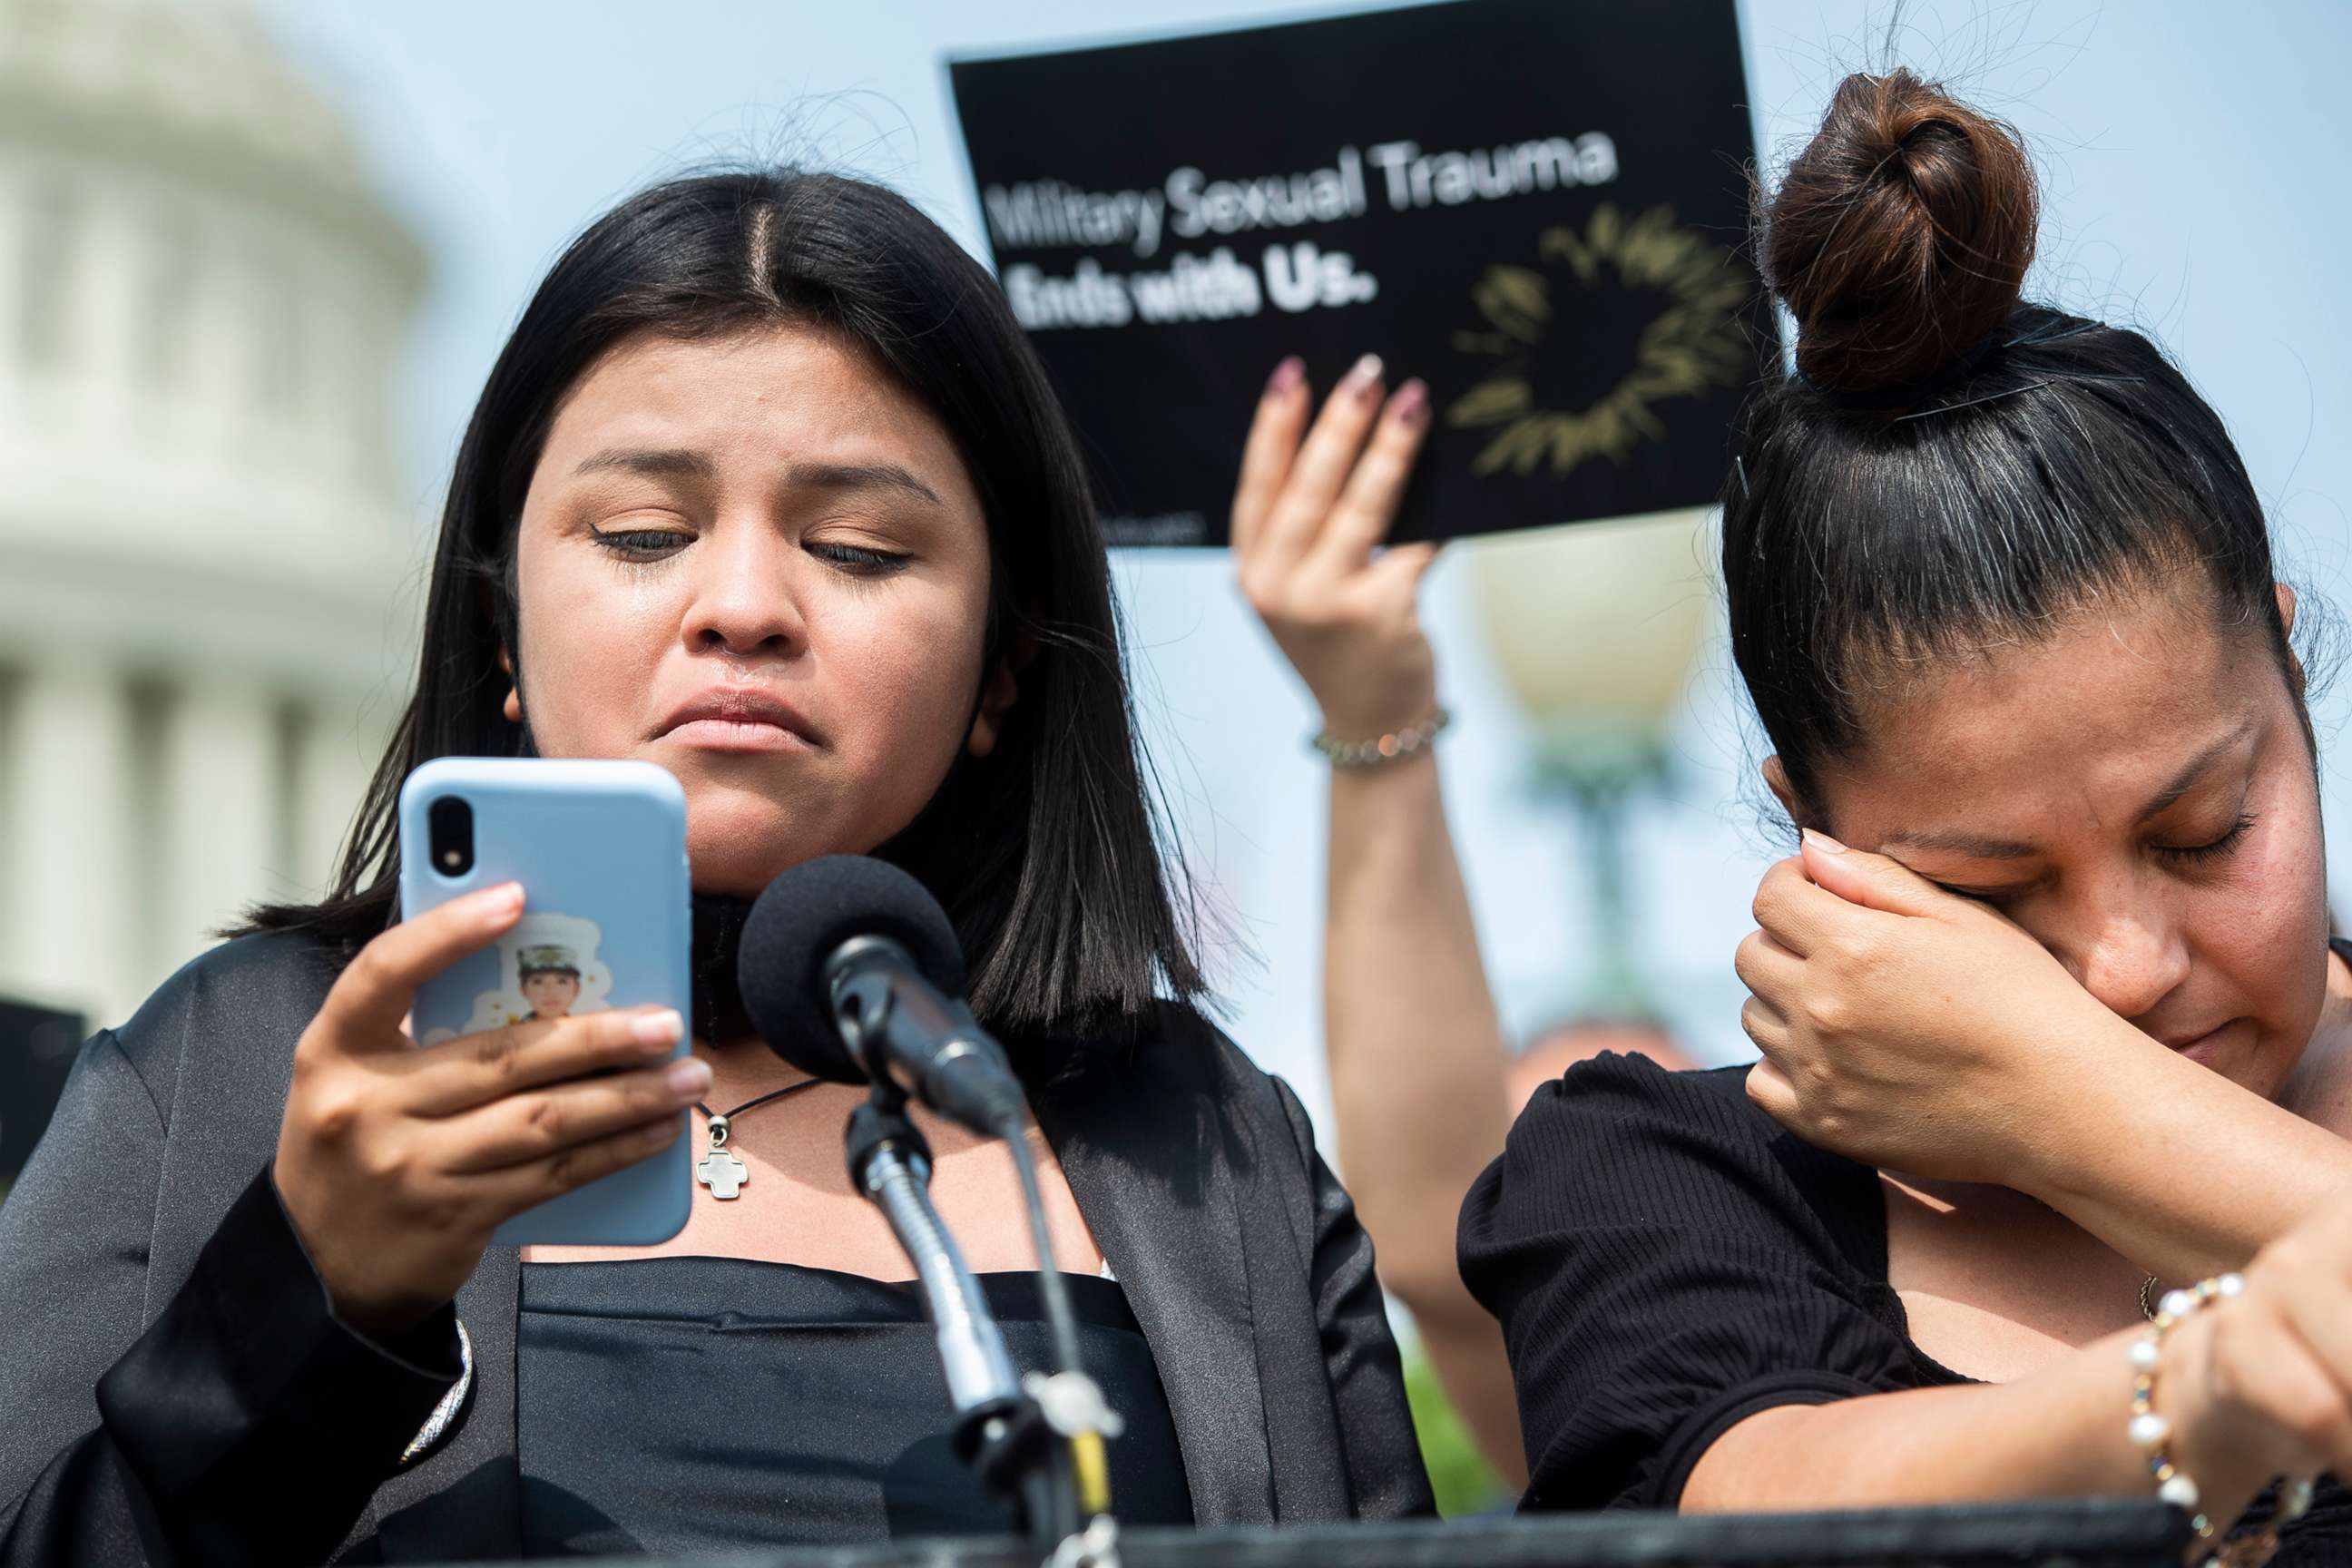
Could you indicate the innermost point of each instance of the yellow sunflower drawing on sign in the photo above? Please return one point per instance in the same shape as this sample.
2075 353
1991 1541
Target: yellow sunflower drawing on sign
1678 297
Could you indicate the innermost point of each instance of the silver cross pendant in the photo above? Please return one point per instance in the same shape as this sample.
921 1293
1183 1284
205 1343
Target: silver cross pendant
720 1170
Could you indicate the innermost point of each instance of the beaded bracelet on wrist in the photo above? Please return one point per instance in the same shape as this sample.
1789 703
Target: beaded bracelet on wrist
1393 747
2151 1433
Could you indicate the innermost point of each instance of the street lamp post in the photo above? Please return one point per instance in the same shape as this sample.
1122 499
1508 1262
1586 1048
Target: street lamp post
1594 629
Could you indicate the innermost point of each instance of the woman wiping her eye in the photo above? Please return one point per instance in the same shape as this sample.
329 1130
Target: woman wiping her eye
2041 1187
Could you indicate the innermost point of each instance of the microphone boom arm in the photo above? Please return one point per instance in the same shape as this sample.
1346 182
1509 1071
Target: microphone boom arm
891 1163
1001 1429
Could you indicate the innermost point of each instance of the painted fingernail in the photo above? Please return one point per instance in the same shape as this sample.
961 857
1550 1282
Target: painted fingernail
1364 380
1286 377
1821 840
1411 405
661 1028
690 1079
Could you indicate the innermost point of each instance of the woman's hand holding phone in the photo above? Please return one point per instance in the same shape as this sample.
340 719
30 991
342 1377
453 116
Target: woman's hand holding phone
395 1162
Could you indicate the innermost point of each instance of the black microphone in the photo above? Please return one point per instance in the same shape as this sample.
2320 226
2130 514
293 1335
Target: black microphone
851 971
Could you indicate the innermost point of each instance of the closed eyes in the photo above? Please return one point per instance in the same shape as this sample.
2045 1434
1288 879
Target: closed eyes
2211 850
644 545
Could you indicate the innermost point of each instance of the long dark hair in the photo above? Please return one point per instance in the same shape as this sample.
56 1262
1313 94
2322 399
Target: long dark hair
1046 854
1949 466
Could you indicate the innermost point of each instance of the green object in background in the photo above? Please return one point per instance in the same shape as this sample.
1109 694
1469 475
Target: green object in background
1460 1477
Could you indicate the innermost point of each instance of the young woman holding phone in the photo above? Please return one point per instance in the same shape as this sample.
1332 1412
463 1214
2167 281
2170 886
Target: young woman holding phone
766 487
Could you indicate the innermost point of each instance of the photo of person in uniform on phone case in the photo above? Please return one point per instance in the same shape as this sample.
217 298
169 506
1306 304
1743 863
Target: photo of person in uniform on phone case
550 980
548 968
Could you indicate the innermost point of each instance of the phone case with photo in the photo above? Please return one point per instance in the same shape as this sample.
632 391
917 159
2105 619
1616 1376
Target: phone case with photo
600 850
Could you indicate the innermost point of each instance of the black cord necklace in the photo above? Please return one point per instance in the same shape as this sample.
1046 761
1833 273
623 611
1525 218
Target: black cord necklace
719 1169
719 1014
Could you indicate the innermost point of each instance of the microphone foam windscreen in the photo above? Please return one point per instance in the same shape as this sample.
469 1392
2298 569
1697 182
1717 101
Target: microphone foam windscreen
796 926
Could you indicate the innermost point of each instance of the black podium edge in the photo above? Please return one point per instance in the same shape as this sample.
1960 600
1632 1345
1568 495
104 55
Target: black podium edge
2085 1532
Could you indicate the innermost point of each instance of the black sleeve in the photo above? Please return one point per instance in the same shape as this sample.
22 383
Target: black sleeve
245 1423
1385 1475
1666 1262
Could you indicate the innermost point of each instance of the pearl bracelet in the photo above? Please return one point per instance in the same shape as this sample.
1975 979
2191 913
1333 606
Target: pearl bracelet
1394 746
2152 1434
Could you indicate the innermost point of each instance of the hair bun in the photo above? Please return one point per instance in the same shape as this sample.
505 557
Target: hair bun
1900 236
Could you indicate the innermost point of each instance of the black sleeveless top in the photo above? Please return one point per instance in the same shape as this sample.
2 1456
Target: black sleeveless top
1667 1260
699 1403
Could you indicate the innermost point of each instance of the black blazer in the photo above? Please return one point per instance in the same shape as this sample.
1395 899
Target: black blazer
173 1387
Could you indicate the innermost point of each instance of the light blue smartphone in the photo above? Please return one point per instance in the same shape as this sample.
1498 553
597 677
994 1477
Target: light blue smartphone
600 850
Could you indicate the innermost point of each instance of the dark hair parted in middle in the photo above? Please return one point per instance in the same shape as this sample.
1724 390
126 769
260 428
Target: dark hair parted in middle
1950 467
1046 852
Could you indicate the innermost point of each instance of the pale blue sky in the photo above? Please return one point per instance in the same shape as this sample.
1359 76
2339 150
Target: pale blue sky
2194 185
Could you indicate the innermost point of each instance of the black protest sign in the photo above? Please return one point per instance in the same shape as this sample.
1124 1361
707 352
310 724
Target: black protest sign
1538 206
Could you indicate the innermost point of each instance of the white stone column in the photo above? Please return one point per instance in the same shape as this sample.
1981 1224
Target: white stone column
74 923
219 799
14 195
102 350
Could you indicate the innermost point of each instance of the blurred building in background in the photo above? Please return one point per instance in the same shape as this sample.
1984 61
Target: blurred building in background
203 540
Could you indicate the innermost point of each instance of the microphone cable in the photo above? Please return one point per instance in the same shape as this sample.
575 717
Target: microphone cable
1060 1320
1084 1427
